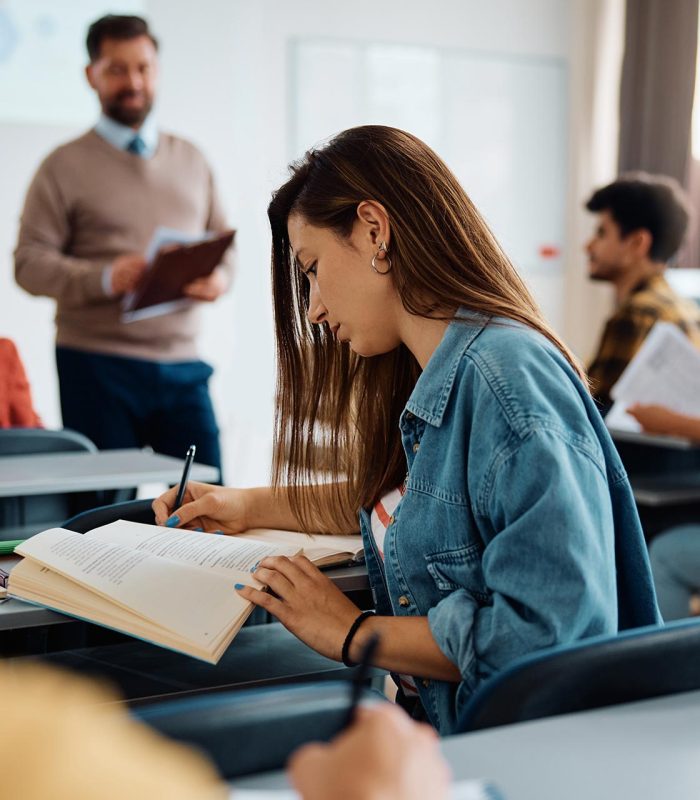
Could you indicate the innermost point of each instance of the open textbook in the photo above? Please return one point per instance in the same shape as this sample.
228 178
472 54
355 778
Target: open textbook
322 549
174 588
665 371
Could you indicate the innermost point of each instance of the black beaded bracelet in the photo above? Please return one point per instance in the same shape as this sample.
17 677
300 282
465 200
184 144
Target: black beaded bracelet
345 653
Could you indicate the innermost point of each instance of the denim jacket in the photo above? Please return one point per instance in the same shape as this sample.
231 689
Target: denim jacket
518 529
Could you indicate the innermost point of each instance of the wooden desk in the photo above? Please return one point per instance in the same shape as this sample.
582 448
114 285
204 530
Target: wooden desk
643 750
83 472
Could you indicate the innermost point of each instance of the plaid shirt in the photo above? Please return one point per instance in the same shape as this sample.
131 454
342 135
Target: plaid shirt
650 301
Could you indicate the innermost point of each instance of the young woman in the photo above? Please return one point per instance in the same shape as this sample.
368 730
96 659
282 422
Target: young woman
419 387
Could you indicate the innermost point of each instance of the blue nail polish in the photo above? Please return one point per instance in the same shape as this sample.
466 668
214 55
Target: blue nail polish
239 586
173 521
201 530
219 533
255 566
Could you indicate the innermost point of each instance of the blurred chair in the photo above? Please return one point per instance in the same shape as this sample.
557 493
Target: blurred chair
24 515
133 511
647 463
602 671
255 730
28 441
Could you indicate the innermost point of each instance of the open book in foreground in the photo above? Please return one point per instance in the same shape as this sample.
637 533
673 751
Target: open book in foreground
173 588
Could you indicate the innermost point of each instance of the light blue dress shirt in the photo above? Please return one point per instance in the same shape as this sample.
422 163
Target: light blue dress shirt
121 136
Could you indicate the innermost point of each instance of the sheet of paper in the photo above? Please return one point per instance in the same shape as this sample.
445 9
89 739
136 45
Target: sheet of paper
461 790
665 371
162 237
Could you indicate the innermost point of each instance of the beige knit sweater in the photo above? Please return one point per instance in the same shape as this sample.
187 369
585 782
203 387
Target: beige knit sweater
90 202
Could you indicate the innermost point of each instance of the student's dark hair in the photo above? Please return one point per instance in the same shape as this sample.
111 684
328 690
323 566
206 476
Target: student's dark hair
337 414
115 26
655 203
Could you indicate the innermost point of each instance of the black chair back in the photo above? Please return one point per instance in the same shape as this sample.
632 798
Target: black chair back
23 516
26 441
133 511
603 671
254 730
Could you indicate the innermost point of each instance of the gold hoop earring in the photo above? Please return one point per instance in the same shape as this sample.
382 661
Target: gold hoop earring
383 255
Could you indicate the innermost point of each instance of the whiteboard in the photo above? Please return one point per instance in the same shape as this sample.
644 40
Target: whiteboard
498 121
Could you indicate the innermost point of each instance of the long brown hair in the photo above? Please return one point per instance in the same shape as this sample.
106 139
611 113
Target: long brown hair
337 413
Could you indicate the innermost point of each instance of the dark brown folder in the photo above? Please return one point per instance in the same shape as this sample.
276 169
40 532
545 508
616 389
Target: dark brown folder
173 268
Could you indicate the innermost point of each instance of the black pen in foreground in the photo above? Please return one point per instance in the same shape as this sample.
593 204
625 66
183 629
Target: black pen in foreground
361 676
189 458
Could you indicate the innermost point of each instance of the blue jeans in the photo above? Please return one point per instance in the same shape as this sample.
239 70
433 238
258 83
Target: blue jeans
128 402
675 563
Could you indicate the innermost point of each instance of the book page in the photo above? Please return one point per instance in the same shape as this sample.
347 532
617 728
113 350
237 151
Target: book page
665 371
197 604
316 545
224 555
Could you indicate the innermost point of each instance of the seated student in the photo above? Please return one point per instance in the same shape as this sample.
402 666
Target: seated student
675 564
497 518
674 554
642 220
16 409
67 738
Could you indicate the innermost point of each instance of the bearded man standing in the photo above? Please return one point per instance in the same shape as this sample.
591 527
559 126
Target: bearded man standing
89 215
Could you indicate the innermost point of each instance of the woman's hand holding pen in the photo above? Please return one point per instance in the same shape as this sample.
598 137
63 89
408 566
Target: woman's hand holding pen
204 506
305 601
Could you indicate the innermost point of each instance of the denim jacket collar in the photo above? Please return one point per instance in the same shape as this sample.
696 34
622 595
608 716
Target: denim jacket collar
432 391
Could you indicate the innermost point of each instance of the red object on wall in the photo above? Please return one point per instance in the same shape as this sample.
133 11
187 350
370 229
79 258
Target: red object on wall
549 251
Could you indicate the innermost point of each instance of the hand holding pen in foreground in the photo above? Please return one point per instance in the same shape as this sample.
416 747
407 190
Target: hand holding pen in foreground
384 754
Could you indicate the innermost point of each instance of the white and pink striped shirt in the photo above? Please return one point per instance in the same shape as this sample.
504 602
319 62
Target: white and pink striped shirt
380 519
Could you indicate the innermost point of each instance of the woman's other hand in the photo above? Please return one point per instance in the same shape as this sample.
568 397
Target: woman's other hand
305 601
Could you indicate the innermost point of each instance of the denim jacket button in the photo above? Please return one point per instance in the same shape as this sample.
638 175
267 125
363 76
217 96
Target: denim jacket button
416 447
425 682
404 601
409 415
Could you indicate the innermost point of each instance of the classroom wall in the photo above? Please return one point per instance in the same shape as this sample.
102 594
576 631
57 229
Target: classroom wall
224 85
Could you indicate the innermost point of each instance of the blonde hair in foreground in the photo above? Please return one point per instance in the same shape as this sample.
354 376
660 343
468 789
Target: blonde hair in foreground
67 738
338 413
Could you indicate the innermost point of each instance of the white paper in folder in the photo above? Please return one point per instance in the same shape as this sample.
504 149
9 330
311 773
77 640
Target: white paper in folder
665 371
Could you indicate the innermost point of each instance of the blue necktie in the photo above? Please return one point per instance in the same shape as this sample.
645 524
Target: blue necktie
137 146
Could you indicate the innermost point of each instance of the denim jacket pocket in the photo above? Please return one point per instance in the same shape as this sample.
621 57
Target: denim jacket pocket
458 569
